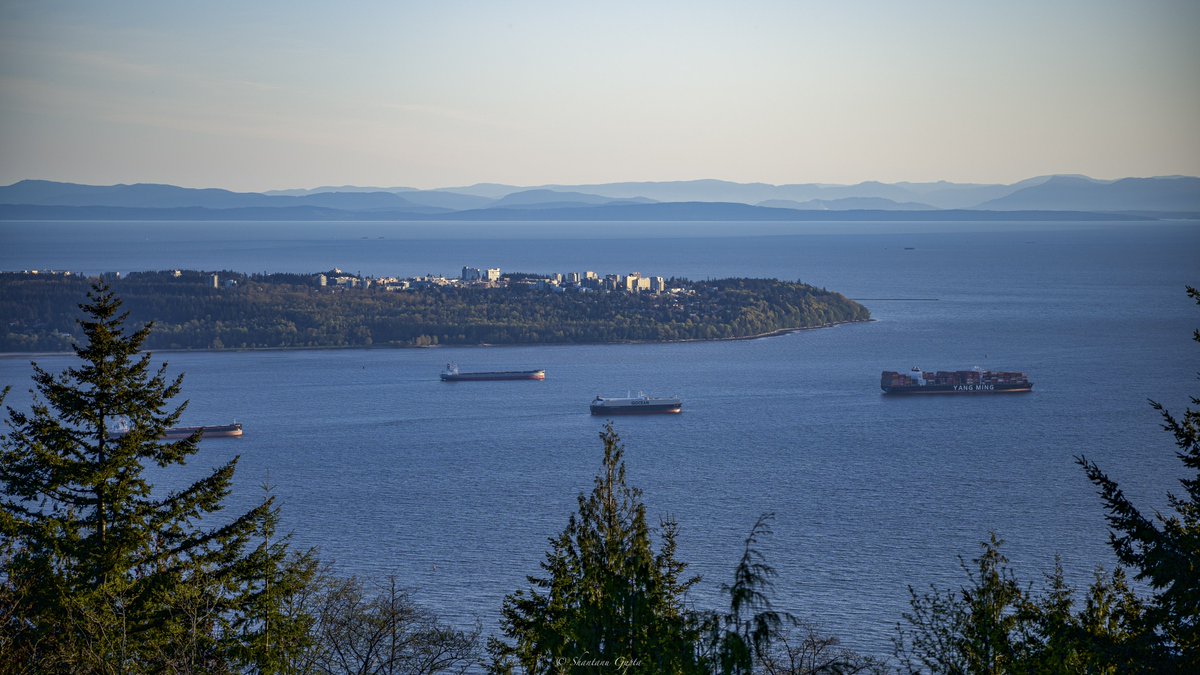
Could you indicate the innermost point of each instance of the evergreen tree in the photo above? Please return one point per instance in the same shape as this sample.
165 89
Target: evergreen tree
100 573
1164 550
753 637
735 640
1058 639
607 600
995 625
974 630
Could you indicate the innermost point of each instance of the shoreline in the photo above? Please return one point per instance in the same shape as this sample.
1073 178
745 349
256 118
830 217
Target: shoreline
760 336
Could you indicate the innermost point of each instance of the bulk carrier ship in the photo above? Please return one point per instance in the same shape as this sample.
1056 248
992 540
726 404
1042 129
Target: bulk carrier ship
452 374
178 433
212 431
954 382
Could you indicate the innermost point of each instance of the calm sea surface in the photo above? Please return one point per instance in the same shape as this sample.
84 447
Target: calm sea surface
455 488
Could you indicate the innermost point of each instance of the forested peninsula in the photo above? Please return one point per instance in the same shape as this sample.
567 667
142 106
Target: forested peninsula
229 310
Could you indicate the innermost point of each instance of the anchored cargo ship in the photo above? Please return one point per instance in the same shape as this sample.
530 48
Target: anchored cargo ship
635 405
452 374
209 431
218 431
954 382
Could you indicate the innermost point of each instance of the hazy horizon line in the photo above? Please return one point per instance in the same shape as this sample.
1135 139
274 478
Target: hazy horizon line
383 187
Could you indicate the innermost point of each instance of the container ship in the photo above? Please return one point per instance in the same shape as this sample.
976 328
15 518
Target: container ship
954 382
452 374
636 405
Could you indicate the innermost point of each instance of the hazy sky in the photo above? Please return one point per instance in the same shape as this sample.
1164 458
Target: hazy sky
263 94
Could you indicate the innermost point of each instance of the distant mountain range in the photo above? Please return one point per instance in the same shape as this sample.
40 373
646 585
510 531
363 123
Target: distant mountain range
846 204
1127 194
1045 197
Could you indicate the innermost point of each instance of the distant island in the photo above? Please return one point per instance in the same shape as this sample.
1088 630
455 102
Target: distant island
1044 198
228 310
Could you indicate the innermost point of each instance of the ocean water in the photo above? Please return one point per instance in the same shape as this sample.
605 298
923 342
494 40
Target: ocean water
455 488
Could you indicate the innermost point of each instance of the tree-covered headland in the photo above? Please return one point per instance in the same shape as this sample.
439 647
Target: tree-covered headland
37 311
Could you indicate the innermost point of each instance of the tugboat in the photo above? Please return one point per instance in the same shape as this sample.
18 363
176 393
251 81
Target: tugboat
636 405
452 374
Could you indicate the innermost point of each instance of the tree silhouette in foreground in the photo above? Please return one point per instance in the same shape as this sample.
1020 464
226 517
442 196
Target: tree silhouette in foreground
608 603
735 640
101 573
608 599
752 636
995 624
1164 550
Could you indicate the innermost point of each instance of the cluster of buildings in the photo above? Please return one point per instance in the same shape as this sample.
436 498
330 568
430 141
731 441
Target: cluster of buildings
470 274
46 273
338 279
490 277
634 282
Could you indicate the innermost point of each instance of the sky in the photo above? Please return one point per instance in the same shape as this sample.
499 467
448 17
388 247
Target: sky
269 95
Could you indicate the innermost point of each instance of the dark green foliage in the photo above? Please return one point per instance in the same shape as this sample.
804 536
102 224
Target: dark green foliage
102 574
607 601
1164 550
993 625
1062 636
735 640
973 630
290 311
752 637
